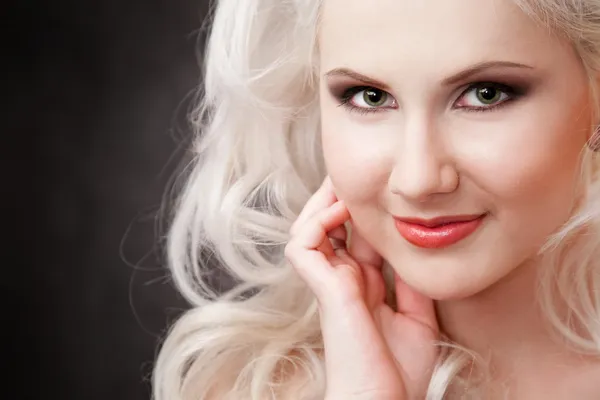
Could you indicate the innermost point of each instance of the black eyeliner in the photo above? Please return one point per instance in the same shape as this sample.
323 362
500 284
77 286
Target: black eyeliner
346 95
515 92
343 94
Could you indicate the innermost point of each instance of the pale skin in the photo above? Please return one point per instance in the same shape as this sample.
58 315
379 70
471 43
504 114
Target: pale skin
431 146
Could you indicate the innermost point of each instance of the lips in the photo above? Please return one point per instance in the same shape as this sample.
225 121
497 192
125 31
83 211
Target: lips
438 232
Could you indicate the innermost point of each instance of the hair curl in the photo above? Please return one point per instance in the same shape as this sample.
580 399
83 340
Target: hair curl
257 160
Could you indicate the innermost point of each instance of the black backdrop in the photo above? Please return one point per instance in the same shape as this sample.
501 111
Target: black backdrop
95 97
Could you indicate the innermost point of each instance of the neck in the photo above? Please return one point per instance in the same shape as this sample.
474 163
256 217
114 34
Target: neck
505 326
499 321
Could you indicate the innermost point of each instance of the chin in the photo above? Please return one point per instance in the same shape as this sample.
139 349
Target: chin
449 278
448 293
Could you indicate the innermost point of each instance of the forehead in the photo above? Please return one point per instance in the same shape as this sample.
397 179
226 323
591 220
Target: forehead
446 34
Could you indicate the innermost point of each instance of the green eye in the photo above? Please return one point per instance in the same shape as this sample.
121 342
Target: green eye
374 97
483 96
488 95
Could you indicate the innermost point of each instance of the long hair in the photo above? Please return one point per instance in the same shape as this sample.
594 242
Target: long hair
257 160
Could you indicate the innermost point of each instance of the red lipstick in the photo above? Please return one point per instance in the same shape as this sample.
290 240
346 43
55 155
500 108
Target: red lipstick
438 232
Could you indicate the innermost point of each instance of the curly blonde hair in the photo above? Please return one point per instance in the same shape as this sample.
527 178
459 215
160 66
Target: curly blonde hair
257 160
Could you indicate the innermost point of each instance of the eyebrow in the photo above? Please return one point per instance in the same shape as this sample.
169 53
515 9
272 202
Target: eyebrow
461 76
480 67
348 73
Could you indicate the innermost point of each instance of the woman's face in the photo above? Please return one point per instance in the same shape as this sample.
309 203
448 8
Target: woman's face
462 111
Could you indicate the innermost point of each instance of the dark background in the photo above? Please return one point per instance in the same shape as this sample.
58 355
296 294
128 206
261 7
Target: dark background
94 128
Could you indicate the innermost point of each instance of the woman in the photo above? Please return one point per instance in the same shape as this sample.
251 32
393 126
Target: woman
451 249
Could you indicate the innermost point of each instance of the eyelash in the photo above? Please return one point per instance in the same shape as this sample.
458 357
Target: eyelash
513 93
346 100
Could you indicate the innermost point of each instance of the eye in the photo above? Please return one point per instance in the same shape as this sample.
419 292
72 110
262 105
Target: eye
485 95
371 98
367 98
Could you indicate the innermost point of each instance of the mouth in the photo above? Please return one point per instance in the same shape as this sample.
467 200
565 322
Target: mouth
439 232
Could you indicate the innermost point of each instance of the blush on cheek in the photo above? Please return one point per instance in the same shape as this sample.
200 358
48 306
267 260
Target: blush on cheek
531 161
357 179
351 184
358 157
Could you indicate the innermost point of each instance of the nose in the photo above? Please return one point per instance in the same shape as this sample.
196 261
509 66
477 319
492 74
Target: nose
423 165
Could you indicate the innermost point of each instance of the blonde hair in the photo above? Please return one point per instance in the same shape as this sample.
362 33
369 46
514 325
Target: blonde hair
257 160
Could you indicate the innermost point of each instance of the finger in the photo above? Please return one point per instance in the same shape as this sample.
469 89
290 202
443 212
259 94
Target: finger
338 233
337 244
337 241
369 262
362 251
373 287
322 198
337 238
310 246
414 304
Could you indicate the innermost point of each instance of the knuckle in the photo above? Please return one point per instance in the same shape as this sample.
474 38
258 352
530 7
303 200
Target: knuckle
294 229
291 254
295 260
288 251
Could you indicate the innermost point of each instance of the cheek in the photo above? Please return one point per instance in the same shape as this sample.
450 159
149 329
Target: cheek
359 166
525 173
530 170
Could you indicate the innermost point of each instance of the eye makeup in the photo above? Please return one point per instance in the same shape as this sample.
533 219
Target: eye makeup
346 93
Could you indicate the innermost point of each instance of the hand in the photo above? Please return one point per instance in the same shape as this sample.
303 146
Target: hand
371 351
